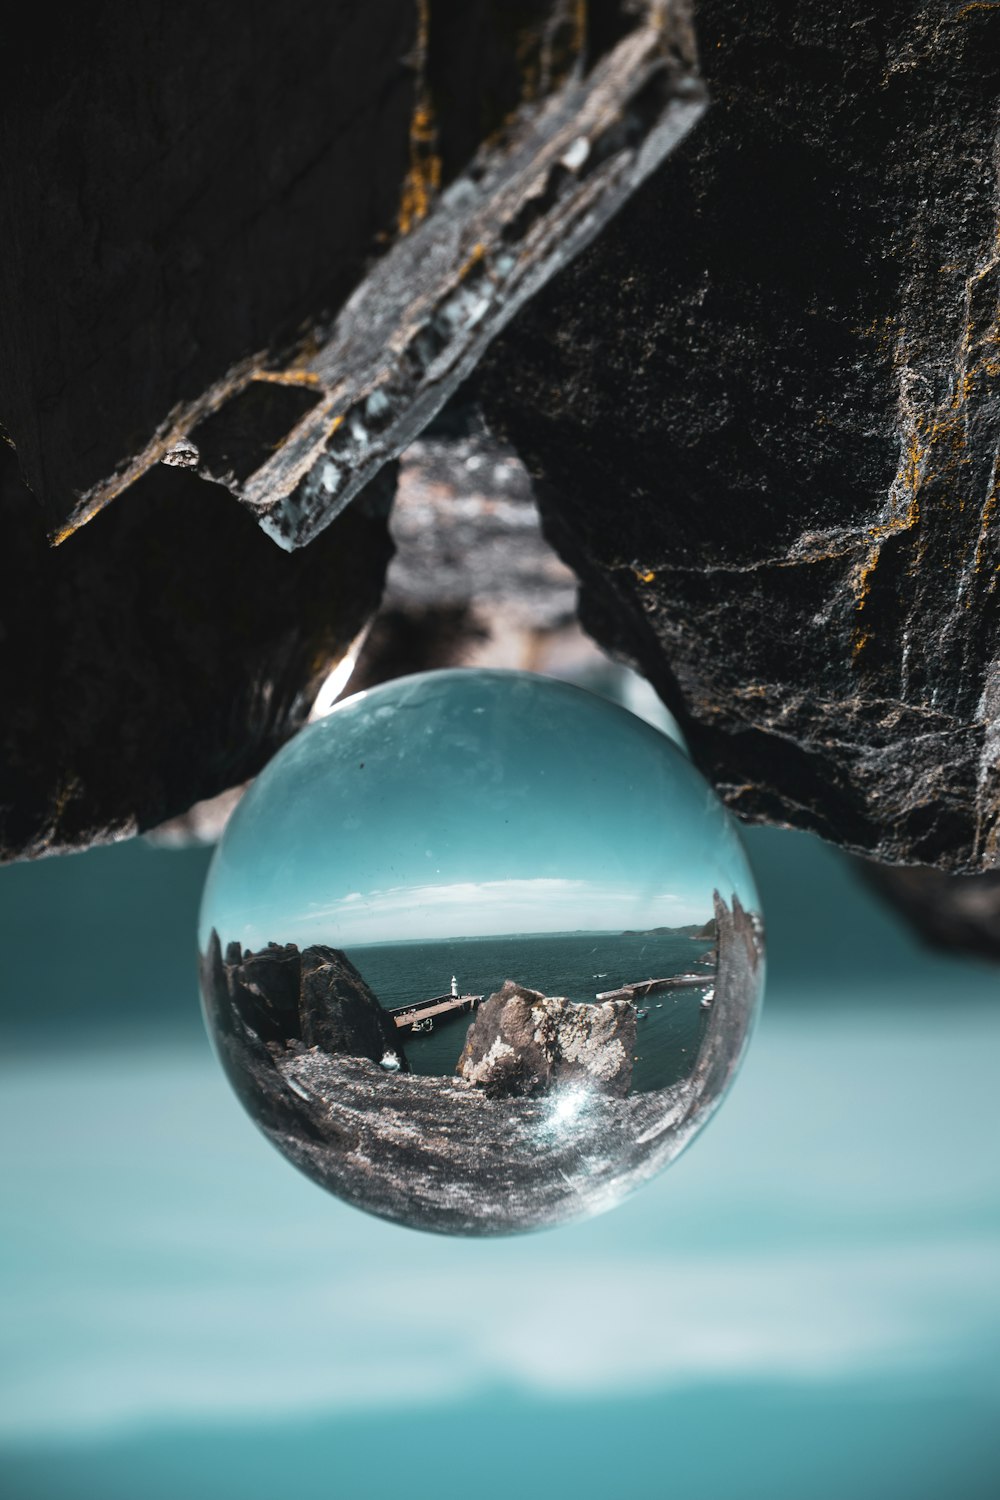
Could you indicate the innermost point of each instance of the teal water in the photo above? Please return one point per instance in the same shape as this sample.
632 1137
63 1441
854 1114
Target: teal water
805 1306
573 965
804 1441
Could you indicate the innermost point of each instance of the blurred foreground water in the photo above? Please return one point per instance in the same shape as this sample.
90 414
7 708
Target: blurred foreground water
807 1304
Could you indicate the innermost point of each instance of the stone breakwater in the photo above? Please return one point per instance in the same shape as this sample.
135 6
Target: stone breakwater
444 1154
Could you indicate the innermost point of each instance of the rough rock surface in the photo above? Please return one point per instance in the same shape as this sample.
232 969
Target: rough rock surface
339 1011
177 197
161 655
245 1057
524 1043
288 999
186 215
763 410
188 212
762 407
440 1154
265 988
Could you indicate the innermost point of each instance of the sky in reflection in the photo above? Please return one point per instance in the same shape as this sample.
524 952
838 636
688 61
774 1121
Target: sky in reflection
458 804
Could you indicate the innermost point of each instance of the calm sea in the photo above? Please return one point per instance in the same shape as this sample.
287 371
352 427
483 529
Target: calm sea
572 964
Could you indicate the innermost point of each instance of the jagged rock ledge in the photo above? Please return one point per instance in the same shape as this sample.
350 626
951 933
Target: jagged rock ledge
525 1043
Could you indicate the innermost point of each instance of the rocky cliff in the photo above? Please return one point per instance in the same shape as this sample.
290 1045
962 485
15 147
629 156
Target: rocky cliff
293 999
443 1154
762 412
524 1043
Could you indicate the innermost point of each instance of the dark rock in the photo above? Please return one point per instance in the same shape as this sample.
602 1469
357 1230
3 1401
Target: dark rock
763 411
268 994
960 913
177 198
539 191
739 975
249 1064
526 1043
177 272
339 1011
214 977
293 1001
158 657
161 655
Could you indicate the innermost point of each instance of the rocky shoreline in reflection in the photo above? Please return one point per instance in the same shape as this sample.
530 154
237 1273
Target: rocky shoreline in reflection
538 1123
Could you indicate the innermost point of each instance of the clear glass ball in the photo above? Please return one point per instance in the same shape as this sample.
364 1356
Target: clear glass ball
480 951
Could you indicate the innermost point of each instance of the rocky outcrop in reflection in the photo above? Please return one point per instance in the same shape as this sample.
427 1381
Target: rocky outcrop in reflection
289 1000
445 1154
265 989
246 1058
525 1043
340 1012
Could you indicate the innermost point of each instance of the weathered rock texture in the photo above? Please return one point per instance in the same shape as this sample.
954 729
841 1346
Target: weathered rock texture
265 987
762 407
244 1054
187 214
182 191
298 1000
163 655
440 1154
176 270
340 1012
763 414
418 324
524 1043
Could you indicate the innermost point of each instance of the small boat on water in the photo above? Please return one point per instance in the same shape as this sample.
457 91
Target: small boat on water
419 1017
642 1014
707 998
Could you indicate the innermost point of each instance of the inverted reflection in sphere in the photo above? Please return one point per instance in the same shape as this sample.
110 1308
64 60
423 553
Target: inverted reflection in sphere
480 951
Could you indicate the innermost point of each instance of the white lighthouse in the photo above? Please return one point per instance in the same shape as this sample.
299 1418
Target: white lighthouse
454 987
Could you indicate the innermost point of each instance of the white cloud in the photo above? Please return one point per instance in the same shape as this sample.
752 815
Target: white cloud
482 908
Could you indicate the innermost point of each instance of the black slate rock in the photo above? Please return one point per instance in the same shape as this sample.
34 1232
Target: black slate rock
340 1012
269 983
762 411
162 654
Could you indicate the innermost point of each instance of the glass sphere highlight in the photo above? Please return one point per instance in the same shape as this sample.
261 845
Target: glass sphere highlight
480 951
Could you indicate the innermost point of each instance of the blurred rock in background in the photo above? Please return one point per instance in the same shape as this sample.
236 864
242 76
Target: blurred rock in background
956 912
